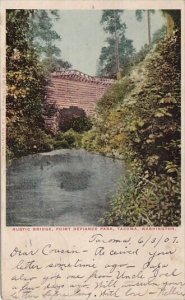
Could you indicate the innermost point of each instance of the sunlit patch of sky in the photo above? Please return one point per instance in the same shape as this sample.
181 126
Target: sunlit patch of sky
83 36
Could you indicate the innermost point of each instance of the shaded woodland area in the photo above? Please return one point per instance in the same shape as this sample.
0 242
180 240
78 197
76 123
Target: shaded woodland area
138 120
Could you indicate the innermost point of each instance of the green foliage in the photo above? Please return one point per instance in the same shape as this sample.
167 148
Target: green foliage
77 123
41 32
111 19
118 50
139 120
115 95
143 201
81 124
69 139
52 64
91 141
159 34
24 140
142 53
25 83
43 37
141 12
107 60
30 55
26 89
157 105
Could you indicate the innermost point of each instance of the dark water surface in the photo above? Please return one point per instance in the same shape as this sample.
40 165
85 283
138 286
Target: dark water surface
62 187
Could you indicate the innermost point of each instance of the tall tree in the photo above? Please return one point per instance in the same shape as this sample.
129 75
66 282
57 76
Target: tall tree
26 84
139 16
173 20
41 31
44 39
115 55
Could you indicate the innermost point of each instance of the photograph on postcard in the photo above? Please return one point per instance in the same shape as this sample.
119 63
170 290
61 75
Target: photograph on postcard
93 117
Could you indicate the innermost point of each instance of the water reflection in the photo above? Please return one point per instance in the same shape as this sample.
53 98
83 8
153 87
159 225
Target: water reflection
62 187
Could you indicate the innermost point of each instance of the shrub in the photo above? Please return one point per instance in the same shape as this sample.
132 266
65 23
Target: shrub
24 140
68 139
143 201
139 118
74 118
81 124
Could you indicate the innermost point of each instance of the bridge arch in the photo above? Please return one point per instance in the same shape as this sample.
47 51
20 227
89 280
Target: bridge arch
72 88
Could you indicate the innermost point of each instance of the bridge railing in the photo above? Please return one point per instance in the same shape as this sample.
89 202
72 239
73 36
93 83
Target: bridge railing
77 75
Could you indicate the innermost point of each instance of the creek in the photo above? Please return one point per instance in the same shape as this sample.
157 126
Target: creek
61 188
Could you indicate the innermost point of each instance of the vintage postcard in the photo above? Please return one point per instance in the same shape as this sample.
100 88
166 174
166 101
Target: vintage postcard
92 150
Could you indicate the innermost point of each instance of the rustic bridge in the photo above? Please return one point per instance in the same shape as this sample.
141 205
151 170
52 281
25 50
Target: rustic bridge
72 91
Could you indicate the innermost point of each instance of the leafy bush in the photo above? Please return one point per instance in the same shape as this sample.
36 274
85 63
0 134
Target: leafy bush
81 124
74 118
115 95
68 139
88 141
141 122
24 140
159 34
141 201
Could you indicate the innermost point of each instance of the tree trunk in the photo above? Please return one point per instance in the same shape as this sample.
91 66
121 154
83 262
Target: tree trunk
149 27
116 49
